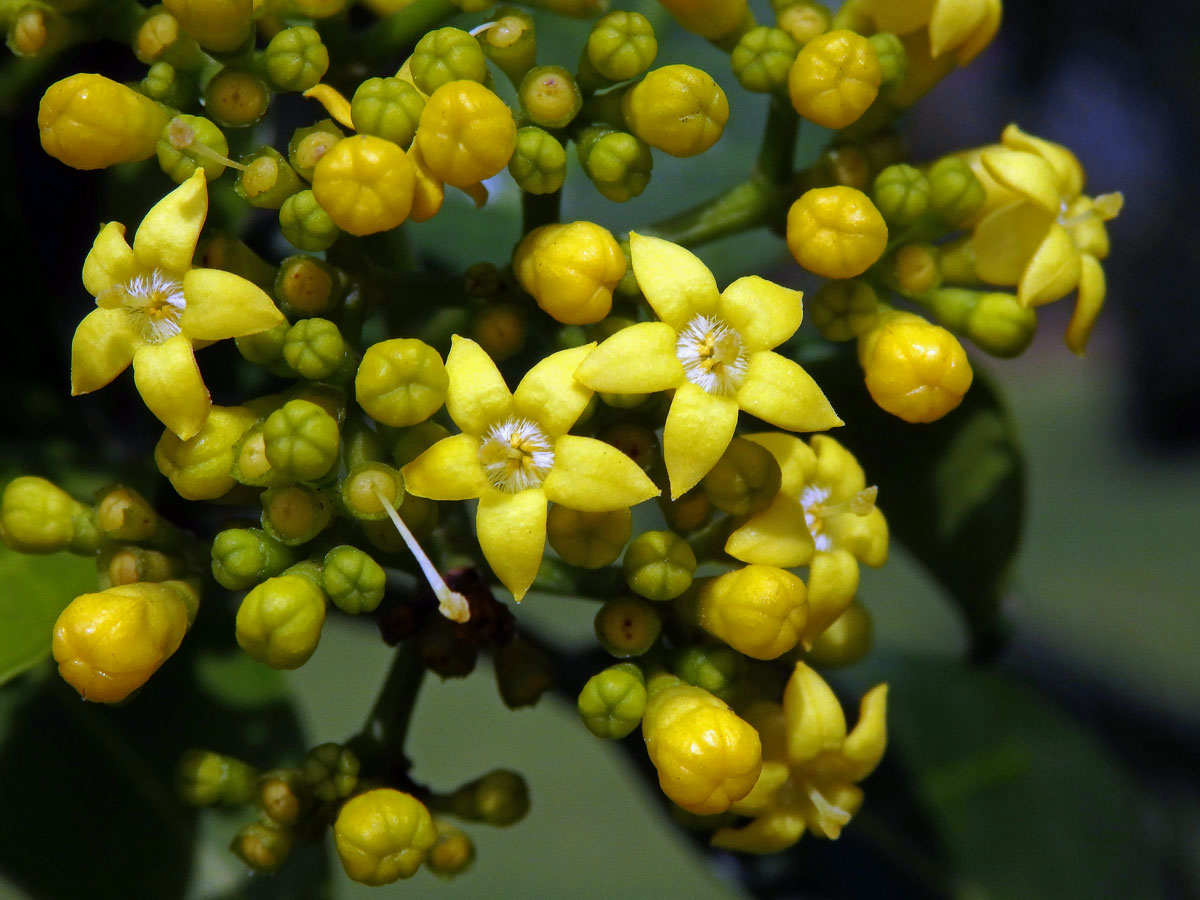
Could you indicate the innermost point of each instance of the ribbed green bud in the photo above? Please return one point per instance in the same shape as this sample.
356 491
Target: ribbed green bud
236 98
744 480
590 540
310 143
167 85
901 194
523 673
617 163
539 162
301 440
762 59
511 42
283 796
447 54
659 565
268 179
353 581
803 20
844 642
263 847
330 771
204 778
362 486
244 557
627 626
401 382
37 516
612 702
305 225
621 46
295 59
264 348
315 349
501 797
844 310
995 321
893 58
955 193
279 622
188 143
715 668
389 108
306 286
549 96
294 514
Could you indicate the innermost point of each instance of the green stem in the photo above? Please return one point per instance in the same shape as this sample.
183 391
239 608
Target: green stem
747 205
380 743
539 209
778 147
402 29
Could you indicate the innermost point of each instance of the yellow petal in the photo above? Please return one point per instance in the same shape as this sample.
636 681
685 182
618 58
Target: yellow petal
815 721
1005 240
836 469
779 391
550 395
763 313
977 42
167 237
676 284
1025 173
1052 272
169 381
865 745
774 830
952 23
865 537
476 396
593 476
1084 221
771 778
101 350
512 535
335 104
639 359
797 461
448 470
776 536
1092 289
110 262
699 427
899 16
832 584
1065 164
223 305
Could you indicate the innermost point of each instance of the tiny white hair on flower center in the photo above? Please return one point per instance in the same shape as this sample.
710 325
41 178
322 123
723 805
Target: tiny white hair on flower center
516 455
155 302
811 499
712 355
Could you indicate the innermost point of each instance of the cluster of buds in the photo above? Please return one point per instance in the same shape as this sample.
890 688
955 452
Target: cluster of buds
595 418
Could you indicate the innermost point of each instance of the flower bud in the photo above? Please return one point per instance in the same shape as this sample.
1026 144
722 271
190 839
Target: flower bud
836 232
92 122
330 771
711 19
279 621
659 565
955 193
108 644
915 268
744 480
717 669
511 42
169 86
914 370
444 55
306 286
901 194
388 108
127 565
802 20
204 778
590 540
263 847
382 835
282 796
353 581
365 183
501 797
621 45
218 25
236 98
452 853
549 96
627 626
414 441
199 468
466 133
687 512
37 516
244 557
158 38
294 514
523 673
570 270
122 514
188 143
893 58
315 349
835 77
539 162
268 179
362 486
616 162
843 310
310 143
757 610
500 329
996 322
763 58
401 382
301 440
305 223
295 59
679 109
612 701
844 642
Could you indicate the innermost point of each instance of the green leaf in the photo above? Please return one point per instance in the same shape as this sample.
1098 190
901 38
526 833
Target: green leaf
36 589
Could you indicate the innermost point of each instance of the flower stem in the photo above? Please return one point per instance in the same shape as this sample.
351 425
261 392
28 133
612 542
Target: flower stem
380 743
778 147
747 205
539 209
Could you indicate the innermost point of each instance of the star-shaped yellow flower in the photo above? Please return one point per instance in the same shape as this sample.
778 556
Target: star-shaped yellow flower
153 308
714 349
823 517
515 455
811 766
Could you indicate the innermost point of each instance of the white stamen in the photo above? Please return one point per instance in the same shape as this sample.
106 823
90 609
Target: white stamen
516 455
832 818
451 604
712 355
155 302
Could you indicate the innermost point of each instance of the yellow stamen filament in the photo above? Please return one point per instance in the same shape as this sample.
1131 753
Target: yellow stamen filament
451 604
830 818
182 136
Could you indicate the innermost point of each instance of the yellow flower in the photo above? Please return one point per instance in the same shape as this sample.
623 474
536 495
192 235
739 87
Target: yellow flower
714 349
515 455
153 307
811 766
963 26
824 517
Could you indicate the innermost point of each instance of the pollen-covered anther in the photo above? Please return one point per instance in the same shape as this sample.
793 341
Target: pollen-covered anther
816 510
155 303
516 455
712 355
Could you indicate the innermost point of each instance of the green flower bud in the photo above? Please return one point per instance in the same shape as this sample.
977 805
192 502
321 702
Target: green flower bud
621 45
686 513
122 514
188 143
447 54
360 487
744 480
263 847
361 444
129 565
511 42
244 557
617 163
955 193
893 58
309 144
763 58
802 20
159 37
306 286
236 98
268 179
612 702
279 622
304 224
549 96
627 626
37 516
443 650
844 642
539 162
452 853
501 797
915 269
167 85
265 348
282 795
315 349
715 668
295 59
204 778
414 441
330 771
523 673
401 382
353 580
294 514
389 108
200 467
382 835
659 565
995 321
901 194
844 310
250 464
301 440
590 540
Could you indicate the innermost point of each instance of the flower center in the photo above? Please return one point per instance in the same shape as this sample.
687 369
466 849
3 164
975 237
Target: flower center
155 303
516 455
712 355
816 510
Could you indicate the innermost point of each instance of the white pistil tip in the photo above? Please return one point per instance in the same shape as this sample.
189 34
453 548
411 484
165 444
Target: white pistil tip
451 604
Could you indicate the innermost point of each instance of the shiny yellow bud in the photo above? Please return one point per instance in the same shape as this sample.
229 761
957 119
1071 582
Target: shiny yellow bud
835 78
92 122
219 25
757 610
570 270
401 382
365 183
466 133
383 835
836 232
711 19
679 109
37 516
199 468
914 370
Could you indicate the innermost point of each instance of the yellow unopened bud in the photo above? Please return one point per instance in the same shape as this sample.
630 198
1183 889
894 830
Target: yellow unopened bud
835 78
453 852
914 370
711 19
678 109
198 468
401 382
365 183
466 133
219 25
383 835
37 516
92 122
570 270
836 232
757 610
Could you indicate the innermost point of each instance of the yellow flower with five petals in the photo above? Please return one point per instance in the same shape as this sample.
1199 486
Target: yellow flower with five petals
714 349
515 455
154 308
